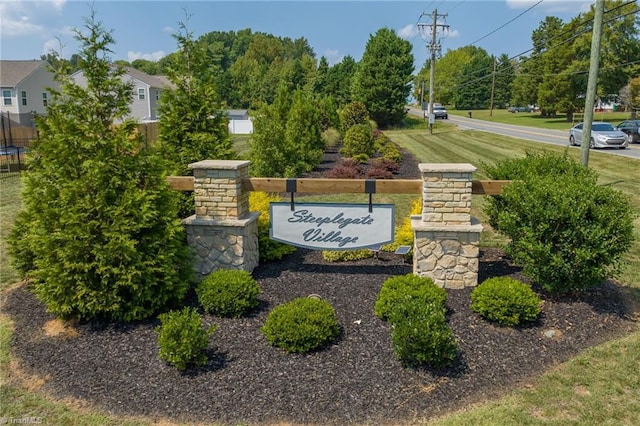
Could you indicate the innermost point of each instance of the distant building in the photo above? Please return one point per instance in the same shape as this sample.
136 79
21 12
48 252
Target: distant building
24 86
146 92
239 122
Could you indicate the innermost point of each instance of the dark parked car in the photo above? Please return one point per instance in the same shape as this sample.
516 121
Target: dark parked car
632 129
520 109
603 135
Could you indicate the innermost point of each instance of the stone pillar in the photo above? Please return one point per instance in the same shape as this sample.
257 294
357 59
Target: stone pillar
446 237
223 233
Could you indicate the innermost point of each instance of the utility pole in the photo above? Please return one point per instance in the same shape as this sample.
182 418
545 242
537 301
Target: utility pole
435 48
493 87
592 84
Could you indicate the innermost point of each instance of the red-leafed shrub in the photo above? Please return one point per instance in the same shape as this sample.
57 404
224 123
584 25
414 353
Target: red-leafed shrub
385 164
379 173
347 169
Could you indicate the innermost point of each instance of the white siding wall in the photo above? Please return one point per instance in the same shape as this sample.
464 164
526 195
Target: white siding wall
240 127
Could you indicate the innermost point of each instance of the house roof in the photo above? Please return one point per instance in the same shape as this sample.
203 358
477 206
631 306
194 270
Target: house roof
13 72
151 80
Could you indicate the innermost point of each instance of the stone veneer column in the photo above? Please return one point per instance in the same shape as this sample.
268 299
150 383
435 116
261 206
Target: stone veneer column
446 237
223 233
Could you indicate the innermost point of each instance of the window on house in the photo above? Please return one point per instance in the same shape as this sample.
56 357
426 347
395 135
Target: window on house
44 99
141 94
23 95
6 96
157 94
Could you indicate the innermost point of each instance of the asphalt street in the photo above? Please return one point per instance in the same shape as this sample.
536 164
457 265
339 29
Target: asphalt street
555 137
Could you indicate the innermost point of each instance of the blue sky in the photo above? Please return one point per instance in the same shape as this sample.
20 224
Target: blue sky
142 29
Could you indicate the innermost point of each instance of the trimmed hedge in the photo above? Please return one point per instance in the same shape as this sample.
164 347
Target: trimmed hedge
506 301
228 293
397 289
302 325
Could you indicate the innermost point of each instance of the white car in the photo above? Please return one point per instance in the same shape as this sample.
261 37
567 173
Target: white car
603 135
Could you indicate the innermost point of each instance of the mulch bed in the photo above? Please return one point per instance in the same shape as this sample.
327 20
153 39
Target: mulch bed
115 367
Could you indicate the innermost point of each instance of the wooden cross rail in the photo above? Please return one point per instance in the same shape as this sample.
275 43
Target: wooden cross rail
337 186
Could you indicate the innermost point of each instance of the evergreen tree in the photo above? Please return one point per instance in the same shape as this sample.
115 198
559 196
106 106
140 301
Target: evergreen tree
286 140
192 126
98 232
475 90
383 78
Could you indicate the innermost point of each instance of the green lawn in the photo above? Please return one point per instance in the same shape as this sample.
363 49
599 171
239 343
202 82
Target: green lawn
601 386
534 119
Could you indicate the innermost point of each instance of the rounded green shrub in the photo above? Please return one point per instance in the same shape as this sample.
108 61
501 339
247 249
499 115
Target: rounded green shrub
182 338
420 334
302 325
353 113
566 231
400 288
228 293
506 301
358 140
346 255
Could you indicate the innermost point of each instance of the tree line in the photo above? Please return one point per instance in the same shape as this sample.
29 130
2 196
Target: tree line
553 74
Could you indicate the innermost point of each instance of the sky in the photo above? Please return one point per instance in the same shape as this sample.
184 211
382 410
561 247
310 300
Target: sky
334 29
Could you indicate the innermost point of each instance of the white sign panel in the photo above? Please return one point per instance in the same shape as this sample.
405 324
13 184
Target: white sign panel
324 226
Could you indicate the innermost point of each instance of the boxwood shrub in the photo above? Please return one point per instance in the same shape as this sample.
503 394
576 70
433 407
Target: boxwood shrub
302 325
506 301
399 288
566 231
182 338
346 255
228 293
420 334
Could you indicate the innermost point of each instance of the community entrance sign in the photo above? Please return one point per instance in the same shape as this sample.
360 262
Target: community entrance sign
328 226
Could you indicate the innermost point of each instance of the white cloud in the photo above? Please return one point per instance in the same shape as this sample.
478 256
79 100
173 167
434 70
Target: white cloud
155 56
169 30
452 33
333 56
408 32
15 21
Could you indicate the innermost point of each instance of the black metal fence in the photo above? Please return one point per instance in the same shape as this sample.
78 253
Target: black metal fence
16 133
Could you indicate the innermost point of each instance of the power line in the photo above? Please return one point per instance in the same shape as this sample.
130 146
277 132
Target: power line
505 24
464 84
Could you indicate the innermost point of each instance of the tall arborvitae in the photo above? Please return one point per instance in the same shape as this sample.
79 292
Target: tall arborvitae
192 126
99 232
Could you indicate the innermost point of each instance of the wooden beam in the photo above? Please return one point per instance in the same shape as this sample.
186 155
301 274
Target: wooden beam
181 183
340 186
488 187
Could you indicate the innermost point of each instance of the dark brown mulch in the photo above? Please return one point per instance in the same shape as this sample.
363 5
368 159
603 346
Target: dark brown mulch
115 367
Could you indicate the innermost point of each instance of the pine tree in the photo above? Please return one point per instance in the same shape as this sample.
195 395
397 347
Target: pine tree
98 232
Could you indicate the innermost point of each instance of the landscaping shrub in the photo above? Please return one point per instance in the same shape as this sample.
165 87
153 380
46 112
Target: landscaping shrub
391 152
351 114
182 338
567 232
228 293
381 168
302 325
358 140
269 249
346 255
399 288
506 301
99 232
378 173
420 334
331 137
347 169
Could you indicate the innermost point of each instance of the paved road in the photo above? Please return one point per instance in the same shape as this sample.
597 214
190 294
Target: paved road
555 137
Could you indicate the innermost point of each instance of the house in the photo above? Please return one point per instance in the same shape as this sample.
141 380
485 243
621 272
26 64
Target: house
146 92
25 89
